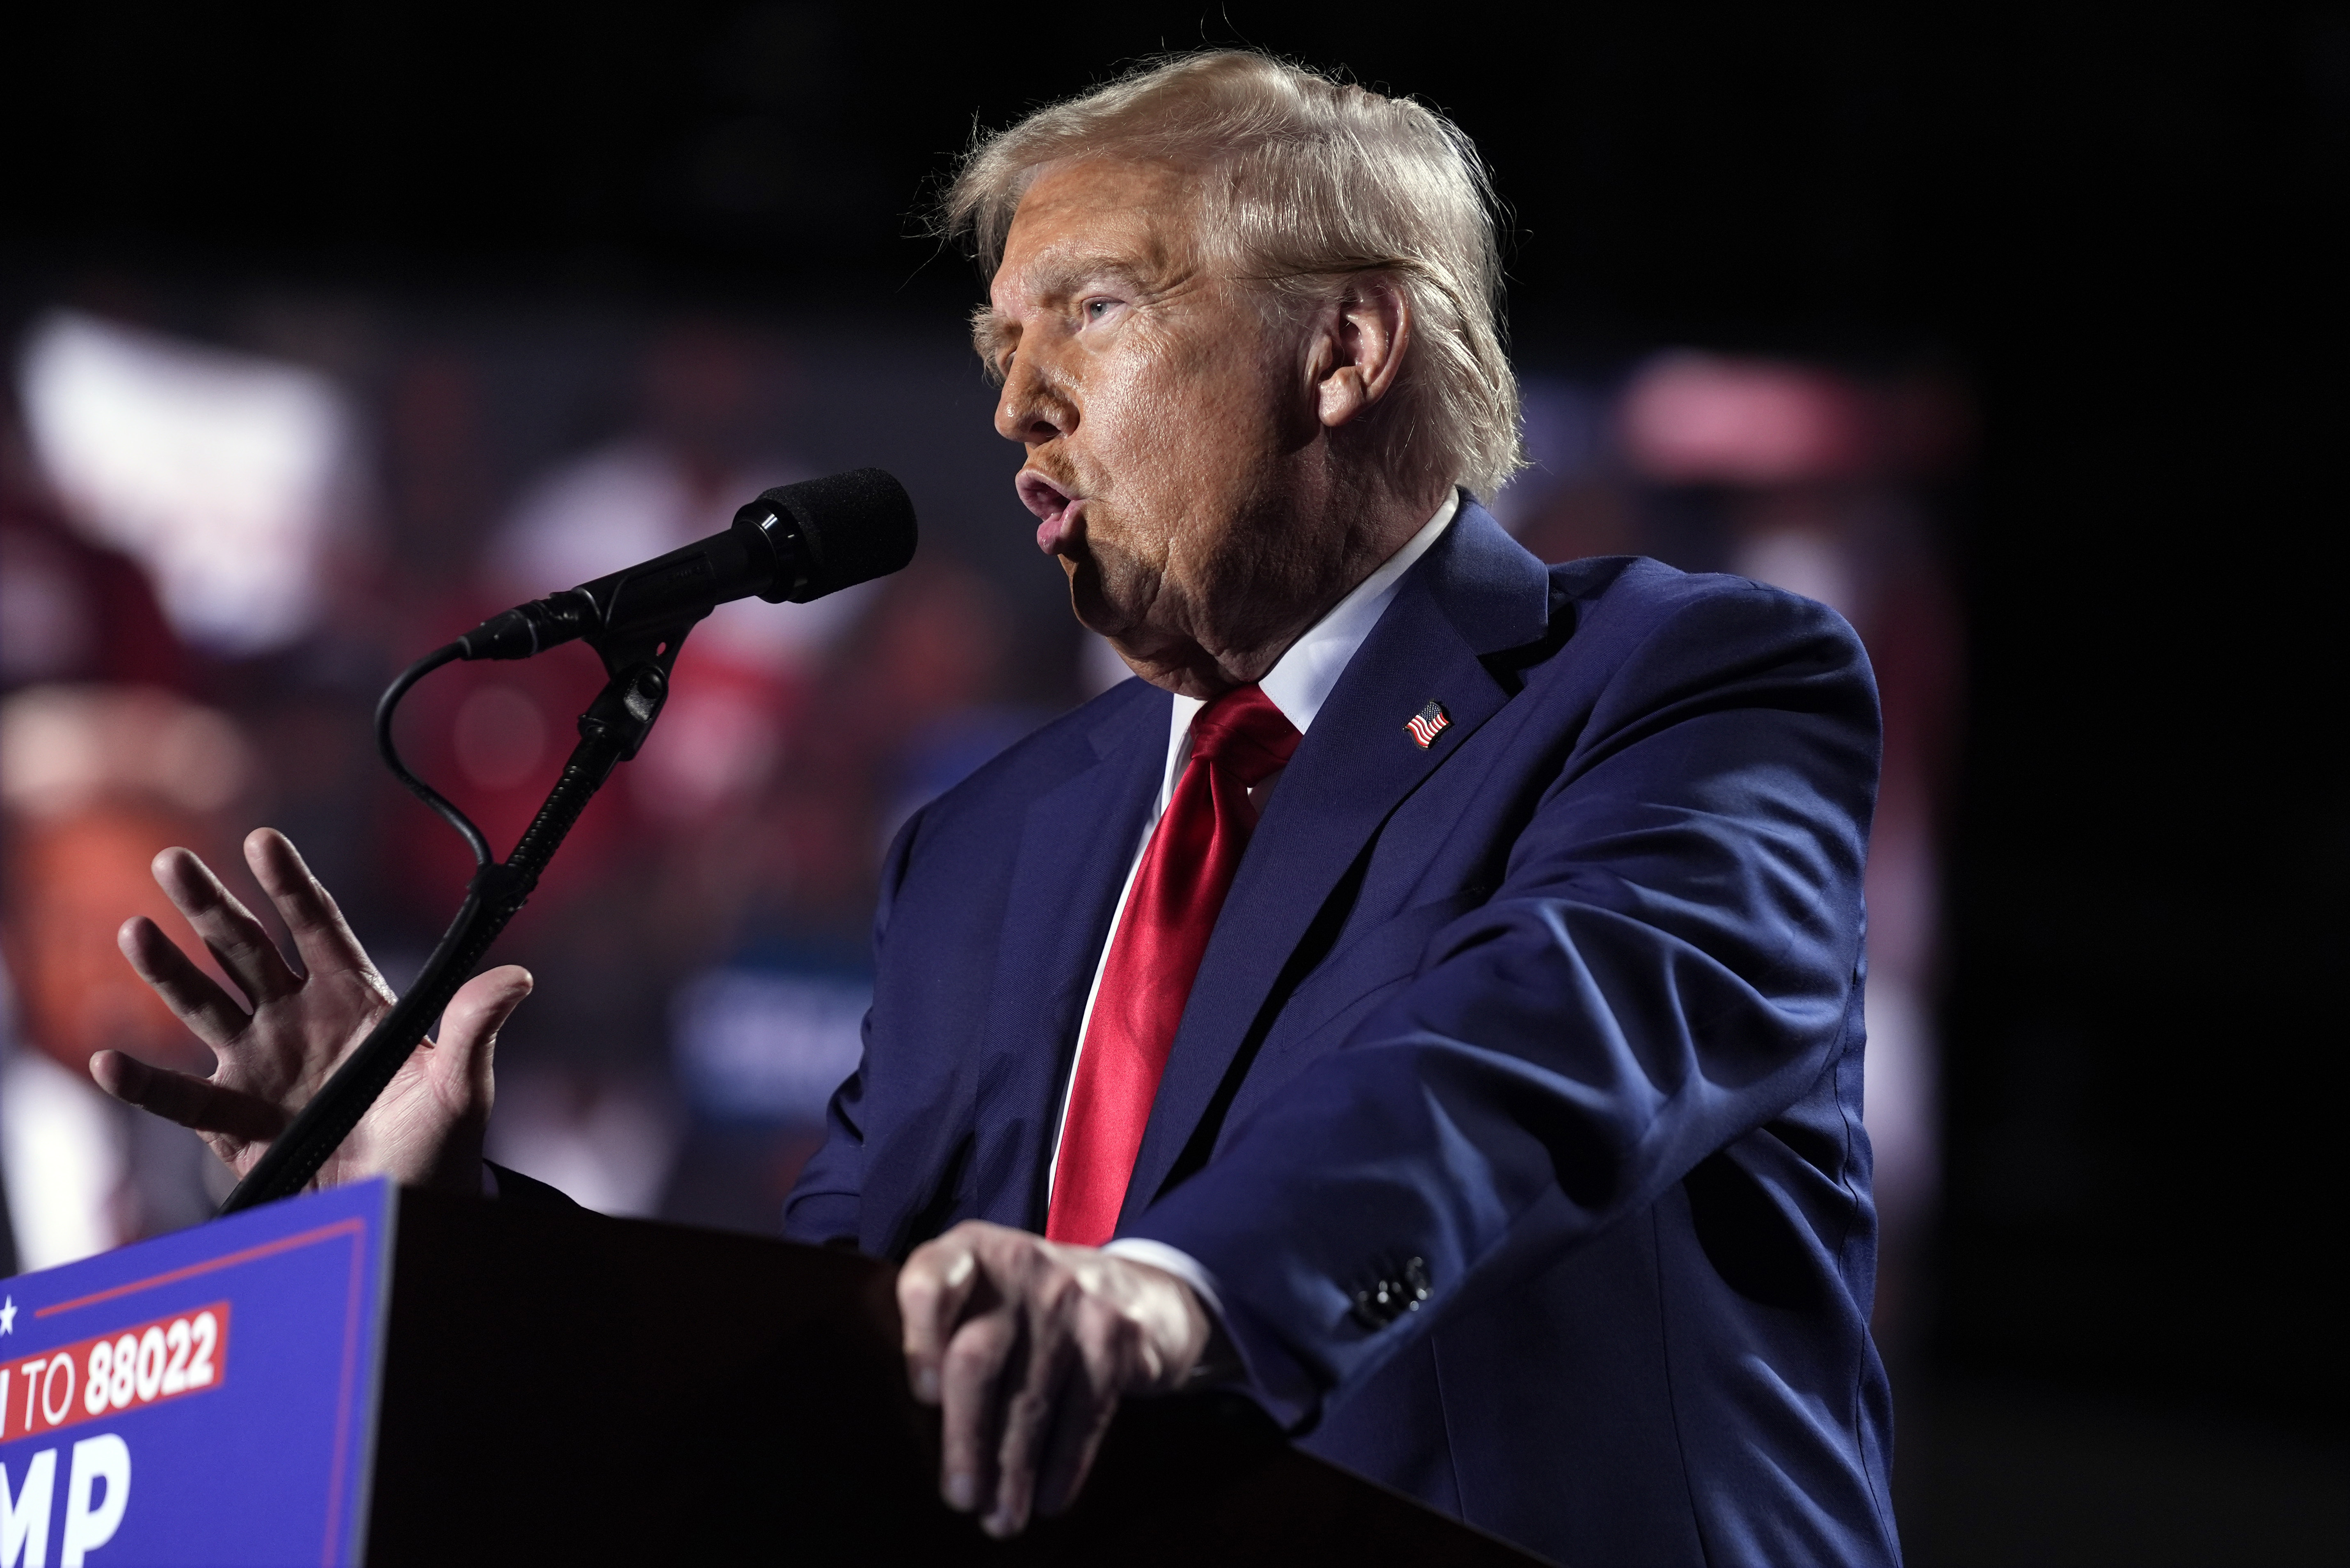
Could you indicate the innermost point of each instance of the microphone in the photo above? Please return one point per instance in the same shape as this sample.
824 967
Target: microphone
795 542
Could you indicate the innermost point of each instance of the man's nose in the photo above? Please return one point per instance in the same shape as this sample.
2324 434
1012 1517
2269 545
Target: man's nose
1032 408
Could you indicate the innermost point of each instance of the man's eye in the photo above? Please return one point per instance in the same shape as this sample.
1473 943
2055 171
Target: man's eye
1097 308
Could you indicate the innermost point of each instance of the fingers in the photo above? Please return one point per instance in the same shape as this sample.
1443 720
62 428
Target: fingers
190 1102
971 1377
320 934
1030 1414
226 926
958 1333
934 1288
1097 1349
190 993
1083 1352
459 1062
1086 1405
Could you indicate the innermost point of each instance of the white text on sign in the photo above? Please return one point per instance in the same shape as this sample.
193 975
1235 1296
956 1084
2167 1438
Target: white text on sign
98 1488
186 1352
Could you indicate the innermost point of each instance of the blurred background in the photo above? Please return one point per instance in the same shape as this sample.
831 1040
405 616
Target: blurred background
327 330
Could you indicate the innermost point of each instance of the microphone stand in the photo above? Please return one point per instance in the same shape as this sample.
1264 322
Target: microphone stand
611 731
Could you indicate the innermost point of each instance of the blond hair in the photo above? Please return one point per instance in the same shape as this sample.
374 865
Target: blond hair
1309 180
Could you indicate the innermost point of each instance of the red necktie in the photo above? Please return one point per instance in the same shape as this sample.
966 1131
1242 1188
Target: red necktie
1237 741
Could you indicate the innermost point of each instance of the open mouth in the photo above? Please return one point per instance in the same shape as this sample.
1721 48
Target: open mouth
1054 507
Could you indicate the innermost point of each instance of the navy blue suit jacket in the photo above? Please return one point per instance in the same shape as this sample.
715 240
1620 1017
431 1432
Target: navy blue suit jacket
1561 1015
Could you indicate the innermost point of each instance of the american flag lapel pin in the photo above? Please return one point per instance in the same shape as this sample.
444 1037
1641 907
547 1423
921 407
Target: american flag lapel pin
1431 721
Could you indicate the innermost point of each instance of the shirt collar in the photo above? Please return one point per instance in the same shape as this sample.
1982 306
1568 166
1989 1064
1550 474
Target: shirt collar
1304 676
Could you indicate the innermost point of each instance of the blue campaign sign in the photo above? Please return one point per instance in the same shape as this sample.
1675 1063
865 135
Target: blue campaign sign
204 1398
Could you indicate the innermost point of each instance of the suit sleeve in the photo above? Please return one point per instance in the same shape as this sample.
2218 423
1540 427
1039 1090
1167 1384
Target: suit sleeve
823 1204
1667 965
528 1191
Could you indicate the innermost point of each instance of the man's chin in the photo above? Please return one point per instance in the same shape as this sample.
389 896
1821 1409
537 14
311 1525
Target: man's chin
1176 665
1168 660
1091 602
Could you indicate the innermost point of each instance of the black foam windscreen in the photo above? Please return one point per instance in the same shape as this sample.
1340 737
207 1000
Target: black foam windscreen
853 526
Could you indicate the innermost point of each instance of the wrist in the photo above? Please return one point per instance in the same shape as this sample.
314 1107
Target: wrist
1219 1360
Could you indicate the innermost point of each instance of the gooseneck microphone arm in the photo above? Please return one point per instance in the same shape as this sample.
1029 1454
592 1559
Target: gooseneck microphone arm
795 542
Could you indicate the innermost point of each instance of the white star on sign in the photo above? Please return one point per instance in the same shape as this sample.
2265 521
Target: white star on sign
8 1315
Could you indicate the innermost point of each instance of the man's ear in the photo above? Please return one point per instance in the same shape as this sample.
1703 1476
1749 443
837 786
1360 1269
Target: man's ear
1365 339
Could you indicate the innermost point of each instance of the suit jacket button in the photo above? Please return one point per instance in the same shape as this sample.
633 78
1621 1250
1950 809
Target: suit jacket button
1389 1299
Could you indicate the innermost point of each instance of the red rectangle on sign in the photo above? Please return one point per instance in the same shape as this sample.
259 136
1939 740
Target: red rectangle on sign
186 1352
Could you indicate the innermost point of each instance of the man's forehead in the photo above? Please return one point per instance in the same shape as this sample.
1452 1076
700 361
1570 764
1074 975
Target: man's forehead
1056 270
1098 218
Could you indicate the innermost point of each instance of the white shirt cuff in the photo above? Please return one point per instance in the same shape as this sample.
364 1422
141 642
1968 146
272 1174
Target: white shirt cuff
1176 1262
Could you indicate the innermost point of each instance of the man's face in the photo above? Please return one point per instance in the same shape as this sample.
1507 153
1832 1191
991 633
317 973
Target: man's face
1166 407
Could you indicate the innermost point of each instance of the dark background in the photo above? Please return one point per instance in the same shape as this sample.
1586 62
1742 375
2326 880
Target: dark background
2108 225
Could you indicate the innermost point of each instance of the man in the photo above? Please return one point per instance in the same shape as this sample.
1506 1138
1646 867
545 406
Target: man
1438 981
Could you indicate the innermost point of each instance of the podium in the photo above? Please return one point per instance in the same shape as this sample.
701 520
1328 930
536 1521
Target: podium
395 1377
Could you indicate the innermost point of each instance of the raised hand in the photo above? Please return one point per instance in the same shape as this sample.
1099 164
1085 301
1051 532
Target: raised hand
276 1048
1028 1346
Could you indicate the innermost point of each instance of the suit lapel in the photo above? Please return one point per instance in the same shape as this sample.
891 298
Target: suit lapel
1075 846
1475 592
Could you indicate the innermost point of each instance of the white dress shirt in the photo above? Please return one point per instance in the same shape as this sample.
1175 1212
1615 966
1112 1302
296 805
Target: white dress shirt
1298 684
